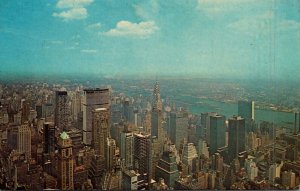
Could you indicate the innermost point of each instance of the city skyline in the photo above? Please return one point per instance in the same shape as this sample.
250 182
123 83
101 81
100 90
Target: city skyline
231 39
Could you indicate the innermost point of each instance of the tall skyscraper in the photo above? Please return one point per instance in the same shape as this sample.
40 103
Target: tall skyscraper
61 110
217 133
65 162
237 136
205 123
49 137
96 171
156 117
126 148
110 154
189 153
202 148
157 138
100 129
128 111
24 140
178 127
297 123
167 168
246 109
217 162
142 158
93 99
76 105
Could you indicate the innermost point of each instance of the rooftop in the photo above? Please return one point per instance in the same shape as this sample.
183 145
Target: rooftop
64 135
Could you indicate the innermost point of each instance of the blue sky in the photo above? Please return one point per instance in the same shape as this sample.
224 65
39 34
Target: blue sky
204 38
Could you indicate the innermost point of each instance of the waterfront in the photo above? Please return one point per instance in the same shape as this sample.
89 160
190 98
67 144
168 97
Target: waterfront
200 105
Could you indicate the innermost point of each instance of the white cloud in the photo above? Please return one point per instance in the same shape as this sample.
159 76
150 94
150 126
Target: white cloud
72 14
91 51
126 28
95 26
73 3
72 9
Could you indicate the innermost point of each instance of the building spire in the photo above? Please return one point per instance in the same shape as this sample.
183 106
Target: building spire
157 104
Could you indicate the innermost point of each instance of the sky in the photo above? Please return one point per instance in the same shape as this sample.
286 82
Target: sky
255 39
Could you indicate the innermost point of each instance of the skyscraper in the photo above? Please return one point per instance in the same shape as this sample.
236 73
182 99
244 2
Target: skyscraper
167 168
189 153
217 133
76 105
49 137
205 123
237 136
297 123
93 99
110 154
178 127
100 129
61 110
289 179
251 168
156 117
130 180
126 148
24 140
142 156
65 162
202 148
246 109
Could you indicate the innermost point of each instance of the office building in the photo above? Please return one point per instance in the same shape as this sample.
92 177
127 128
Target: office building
156 115
93 99
274 171
142 156
251 168
236 138
24 140
76 105
110 154
126 148
61 110
289 179
297 123
217 133
217 162
96 171
205 124
189 154
130 180
100 129
246 109
76 137
203 149
167 168
65 162
178 127
49 138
